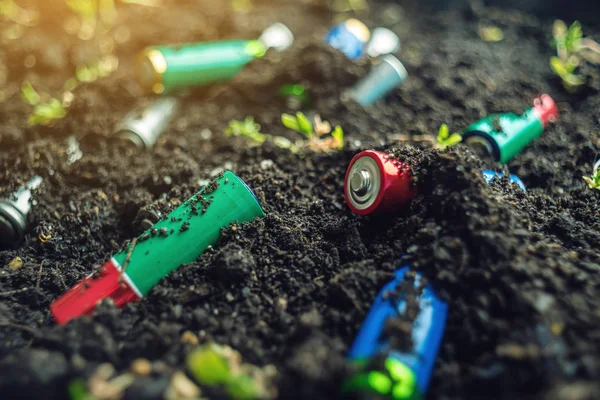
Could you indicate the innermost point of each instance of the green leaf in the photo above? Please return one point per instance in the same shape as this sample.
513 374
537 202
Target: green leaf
443 133
454 139
78 390
290 122
30 95
306 127
243 388
338 135
208 366
559 31
45 113
573 39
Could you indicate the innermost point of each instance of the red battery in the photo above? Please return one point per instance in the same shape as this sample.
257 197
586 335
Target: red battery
375 183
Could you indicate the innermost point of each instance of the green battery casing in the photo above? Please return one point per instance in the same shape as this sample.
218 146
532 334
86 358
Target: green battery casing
189 231
516 132
166 69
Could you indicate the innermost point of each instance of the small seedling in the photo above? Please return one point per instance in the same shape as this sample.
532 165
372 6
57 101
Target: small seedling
445 139
78 390
299 123
593 181
314 132
247 128
216 365
297 92
44 113
571 49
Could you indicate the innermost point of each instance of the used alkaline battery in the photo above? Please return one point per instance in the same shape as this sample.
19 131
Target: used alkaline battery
490 176
178 239
383 78
13 213
503 136
143 129
350 37
398 368
165 69
376 183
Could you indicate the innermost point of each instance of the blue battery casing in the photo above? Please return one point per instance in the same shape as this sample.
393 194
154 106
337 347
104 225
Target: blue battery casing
490 175
427 329
345 41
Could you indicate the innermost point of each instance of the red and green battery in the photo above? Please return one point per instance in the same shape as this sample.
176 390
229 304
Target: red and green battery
503 136
178 239
166 69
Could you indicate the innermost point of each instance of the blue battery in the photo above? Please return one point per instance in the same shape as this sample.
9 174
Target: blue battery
490 175
408 371
350 37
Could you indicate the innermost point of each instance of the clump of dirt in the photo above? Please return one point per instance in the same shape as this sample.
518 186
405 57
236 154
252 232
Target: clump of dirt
520 271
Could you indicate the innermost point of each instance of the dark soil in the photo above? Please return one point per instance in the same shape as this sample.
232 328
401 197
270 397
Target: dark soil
521 271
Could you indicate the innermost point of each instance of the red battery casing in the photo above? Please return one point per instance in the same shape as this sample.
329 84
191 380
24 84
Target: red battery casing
396 188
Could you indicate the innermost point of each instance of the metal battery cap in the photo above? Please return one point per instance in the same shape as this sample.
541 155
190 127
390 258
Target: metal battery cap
364 182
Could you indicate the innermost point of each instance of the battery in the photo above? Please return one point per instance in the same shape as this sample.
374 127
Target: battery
503 136
179 238
166 69
143 129
13 213
383 367
490 175
383 78
350 37
378 184
375 182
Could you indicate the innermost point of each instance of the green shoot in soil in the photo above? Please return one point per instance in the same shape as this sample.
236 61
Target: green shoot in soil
445 139
247 128
593 181
299 123
78 390
216 365
44 113
297 92
571 49
314 132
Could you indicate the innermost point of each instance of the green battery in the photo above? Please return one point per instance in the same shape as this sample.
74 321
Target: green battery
503 136
179 238
166 69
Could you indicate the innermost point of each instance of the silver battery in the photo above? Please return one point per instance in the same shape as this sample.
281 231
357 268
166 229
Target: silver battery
13 214
143 130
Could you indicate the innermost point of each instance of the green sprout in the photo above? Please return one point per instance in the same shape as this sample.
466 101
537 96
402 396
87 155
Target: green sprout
314 132
44 113
78 390
571 49
593 181
295 91
29 94
445 139
216 365
247 128
299 123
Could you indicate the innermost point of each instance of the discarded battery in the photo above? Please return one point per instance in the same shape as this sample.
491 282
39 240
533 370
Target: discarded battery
13 213
178 239
384 368
384 77
350 37
376 183
165 69
503 136
143 129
